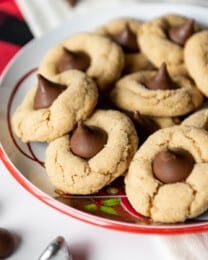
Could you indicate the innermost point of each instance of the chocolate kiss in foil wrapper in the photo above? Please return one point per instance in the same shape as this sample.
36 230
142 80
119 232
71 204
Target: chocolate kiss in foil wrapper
56 250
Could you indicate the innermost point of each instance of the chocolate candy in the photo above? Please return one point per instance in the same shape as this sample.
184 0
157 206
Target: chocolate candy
126 39
179 34
7 243
145 121
161 80
78 60
72 2
171 166
47 92
144 125
87 141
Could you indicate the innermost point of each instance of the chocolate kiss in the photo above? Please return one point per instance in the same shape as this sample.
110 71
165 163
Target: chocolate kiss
161 80
72 2
47 92
127 40
145 122
172 166
7 243
144 125
73 60
87 141
179 34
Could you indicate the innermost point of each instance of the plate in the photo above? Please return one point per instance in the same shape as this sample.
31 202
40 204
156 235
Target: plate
109 208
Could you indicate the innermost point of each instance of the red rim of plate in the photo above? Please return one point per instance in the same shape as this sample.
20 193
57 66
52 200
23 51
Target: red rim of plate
97 221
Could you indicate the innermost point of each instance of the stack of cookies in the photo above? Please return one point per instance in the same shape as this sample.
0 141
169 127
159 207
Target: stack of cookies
126 99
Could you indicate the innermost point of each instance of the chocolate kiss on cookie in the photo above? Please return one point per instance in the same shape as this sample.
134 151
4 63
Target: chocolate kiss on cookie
47 92
161 80
78 60
172 166
144 125
87 141
126 39
145 122
179 34
7 243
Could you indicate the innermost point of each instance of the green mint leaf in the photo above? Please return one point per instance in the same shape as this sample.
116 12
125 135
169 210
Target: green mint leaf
108 210
91 206
111 202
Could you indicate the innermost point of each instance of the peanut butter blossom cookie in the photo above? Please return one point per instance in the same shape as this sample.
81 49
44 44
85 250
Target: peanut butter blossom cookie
125 32
99 57
155 93
168 176
98 151
196 59
198 119
163 39
52 108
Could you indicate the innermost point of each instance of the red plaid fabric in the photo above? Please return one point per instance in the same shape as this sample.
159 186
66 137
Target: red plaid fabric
13 31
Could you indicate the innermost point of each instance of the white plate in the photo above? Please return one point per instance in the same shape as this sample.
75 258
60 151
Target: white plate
25 162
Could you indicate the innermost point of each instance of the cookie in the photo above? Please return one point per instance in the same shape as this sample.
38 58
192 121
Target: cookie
164 96
162 40
96 55
147 125
40 118
196 58
198 119
168 177
153 123
124 31
73 174
135 62
164 122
